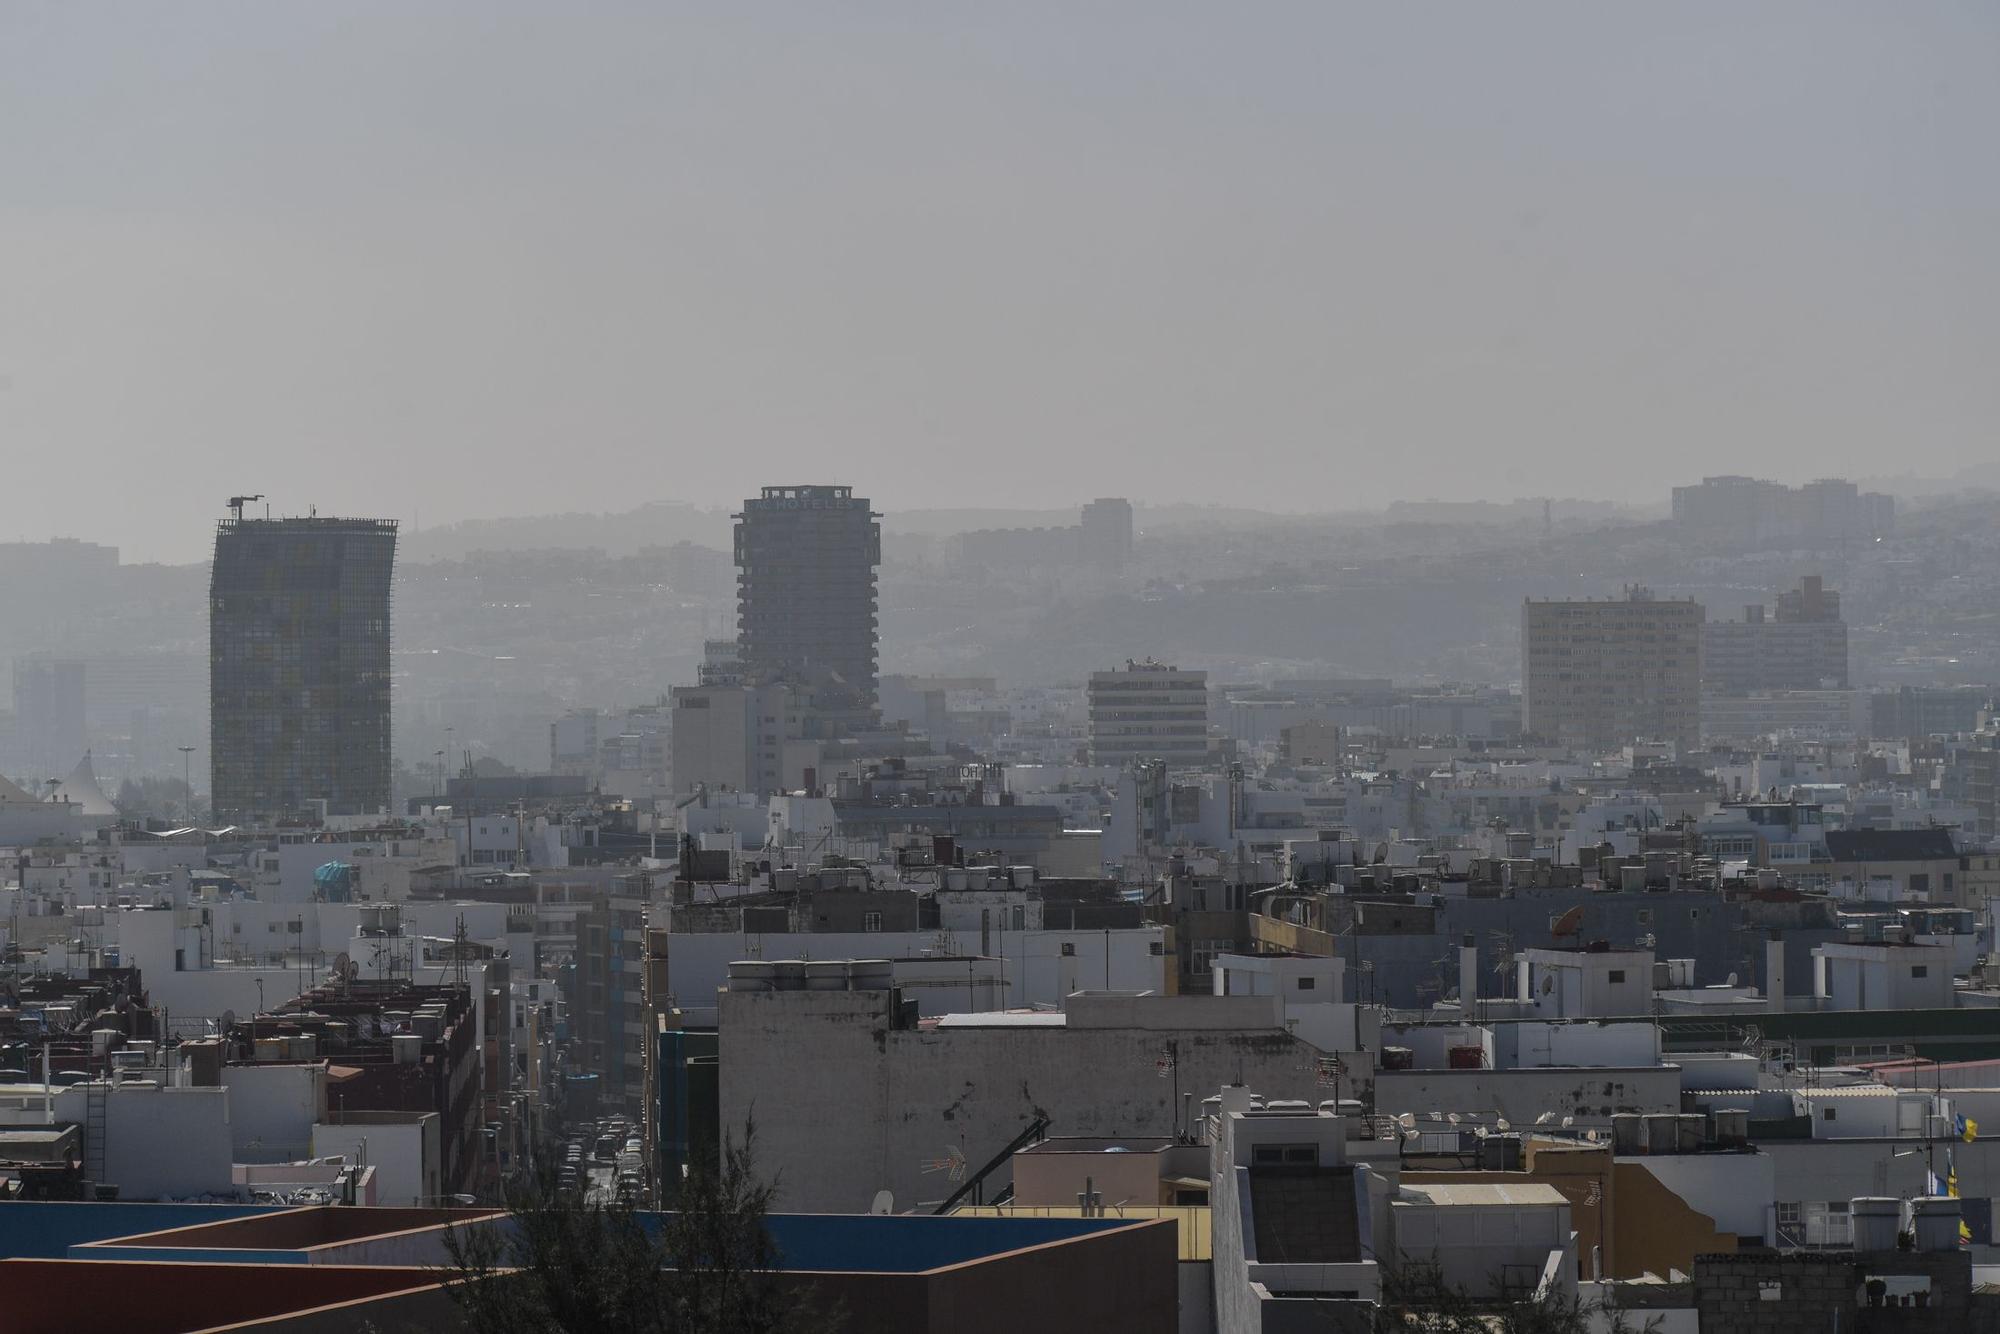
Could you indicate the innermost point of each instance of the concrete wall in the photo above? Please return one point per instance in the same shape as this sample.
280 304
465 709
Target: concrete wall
1721 937
406 1156
272 1108
1037 971
1530 1045
208 993
1056 1178
1734 1189
846 1106
1476 1246
1827 1170
161 1143
1592 1096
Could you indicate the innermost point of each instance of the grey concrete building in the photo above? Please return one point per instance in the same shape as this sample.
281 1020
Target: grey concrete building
806 611
1804 647
1600 673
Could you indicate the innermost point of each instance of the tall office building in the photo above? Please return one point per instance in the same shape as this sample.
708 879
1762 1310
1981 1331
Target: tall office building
805 559
1599 674
1106 532
1148 711
299 665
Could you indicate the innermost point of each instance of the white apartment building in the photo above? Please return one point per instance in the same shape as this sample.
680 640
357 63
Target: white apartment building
1148 711
1600 673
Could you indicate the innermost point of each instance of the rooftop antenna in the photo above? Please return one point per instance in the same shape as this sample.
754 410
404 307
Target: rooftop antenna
236 504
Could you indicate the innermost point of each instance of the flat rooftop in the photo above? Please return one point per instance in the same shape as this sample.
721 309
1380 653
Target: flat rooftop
1481 1193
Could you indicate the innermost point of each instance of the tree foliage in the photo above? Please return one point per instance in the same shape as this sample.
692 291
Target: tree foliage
1416 1299
569 1264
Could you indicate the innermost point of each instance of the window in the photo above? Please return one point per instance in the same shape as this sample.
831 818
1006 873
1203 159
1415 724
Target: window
1159 947
1617 977
871 921
1645 917
1826 1114
1307 983
1920 970
1069 949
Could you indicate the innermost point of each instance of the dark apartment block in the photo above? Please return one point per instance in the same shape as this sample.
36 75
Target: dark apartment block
299 665
806 558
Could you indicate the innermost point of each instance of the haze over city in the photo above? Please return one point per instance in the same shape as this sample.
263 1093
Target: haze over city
999 669
494 259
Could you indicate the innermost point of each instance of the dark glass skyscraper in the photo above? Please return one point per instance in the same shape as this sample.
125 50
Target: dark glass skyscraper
299 665
806 558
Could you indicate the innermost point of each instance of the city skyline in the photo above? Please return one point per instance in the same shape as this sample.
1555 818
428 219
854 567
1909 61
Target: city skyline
1369 252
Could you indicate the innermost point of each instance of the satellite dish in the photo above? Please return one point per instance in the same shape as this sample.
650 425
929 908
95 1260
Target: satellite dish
885 1203
1567 923
1407 1121
1731 982
1545 1118
1502 1125
1479 1132
1568 1121
1453 1117
228 1020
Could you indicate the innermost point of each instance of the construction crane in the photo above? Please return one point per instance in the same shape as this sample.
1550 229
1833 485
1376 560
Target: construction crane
237 503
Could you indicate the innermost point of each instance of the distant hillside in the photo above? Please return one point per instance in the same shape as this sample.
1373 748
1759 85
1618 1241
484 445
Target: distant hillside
659 524
663 523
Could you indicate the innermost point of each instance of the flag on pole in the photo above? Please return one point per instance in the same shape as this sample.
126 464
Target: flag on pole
1951 1189
1967 1128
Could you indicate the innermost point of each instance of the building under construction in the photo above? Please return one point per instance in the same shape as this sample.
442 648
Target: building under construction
299 665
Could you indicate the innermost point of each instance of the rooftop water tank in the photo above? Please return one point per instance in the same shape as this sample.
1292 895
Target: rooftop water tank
1876 1219
752 975
870 974
1935 1221
826 975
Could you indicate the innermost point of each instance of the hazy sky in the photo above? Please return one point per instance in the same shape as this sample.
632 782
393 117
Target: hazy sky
437 260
